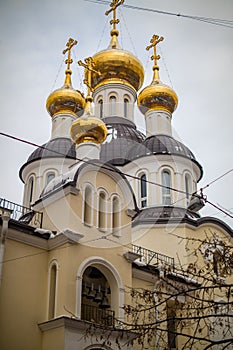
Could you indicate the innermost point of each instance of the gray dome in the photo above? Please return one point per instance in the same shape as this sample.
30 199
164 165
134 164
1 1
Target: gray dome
60 147
122 135
160 144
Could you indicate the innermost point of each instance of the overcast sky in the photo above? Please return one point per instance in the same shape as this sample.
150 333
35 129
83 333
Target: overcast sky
197 61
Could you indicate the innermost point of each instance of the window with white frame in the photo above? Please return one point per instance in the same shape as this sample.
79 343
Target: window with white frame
116 216
100 104
166 189
102 211
143 191
50 176
30 190
52 291
187 180
112 101
126 107
87 206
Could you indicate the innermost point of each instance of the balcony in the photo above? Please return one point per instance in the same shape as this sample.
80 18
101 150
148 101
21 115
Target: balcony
22 214
145 257
97 315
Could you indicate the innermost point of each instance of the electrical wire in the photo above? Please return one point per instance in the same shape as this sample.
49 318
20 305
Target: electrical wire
209 20
125 174
218 178
93 163
217 207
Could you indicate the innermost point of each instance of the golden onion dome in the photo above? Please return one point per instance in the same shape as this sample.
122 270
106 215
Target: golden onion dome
66 99
115 65
157 96
88 128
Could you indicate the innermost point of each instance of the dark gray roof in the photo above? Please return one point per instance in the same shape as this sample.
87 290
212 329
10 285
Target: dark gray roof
122 135
160 144
163 214
60 147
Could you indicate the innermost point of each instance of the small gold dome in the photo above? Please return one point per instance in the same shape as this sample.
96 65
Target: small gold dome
89 129
66 99
157 96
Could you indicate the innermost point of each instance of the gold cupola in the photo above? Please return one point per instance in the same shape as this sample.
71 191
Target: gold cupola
66 100
157 96
114 64
88 128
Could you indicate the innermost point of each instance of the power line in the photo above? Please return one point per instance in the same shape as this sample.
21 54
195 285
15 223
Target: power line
125 174
93 163
218 178
214 21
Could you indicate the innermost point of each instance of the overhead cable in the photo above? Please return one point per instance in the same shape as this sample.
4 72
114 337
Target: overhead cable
209 20
92 162
125 174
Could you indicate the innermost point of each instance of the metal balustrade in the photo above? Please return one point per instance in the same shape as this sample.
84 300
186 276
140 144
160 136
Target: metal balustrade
97 315
21 213
149 257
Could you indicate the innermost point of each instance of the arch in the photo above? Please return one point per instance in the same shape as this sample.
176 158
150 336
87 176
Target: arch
188 187
166 189
52 290
112 103
100 108
143 190
88 205
116 215
126 107
102 210
30 190
114 280
50 175
97 347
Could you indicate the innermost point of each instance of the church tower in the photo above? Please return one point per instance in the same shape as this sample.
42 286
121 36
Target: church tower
53 158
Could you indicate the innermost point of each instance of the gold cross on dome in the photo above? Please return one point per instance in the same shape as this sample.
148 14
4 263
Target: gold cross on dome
154 41
114 4
70 43
90 66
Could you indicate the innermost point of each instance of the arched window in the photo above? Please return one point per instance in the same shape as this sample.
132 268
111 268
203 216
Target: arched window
87 208
126 106
100 103
166 191
187 180
112 105
30 189
52 291
143 191
49 177
102 214
116 216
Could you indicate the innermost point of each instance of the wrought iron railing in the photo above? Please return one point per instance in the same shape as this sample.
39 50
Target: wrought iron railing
97 315
22 214
149 257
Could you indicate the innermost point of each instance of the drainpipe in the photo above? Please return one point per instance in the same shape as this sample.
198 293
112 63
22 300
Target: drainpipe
5 215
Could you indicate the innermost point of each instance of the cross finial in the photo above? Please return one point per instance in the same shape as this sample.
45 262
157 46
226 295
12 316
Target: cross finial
90 66
70 43
114 4
154 41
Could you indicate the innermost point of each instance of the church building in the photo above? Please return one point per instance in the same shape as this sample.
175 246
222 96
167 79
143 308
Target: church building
104 209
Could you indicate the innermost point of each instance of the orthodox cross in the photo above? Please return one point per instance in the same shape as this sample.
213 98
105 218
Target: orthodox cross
154 41
70 43
114 4
89 65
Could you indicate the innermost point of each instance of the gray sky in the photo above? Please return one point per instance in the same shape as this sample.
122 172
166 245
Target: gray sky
197 60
